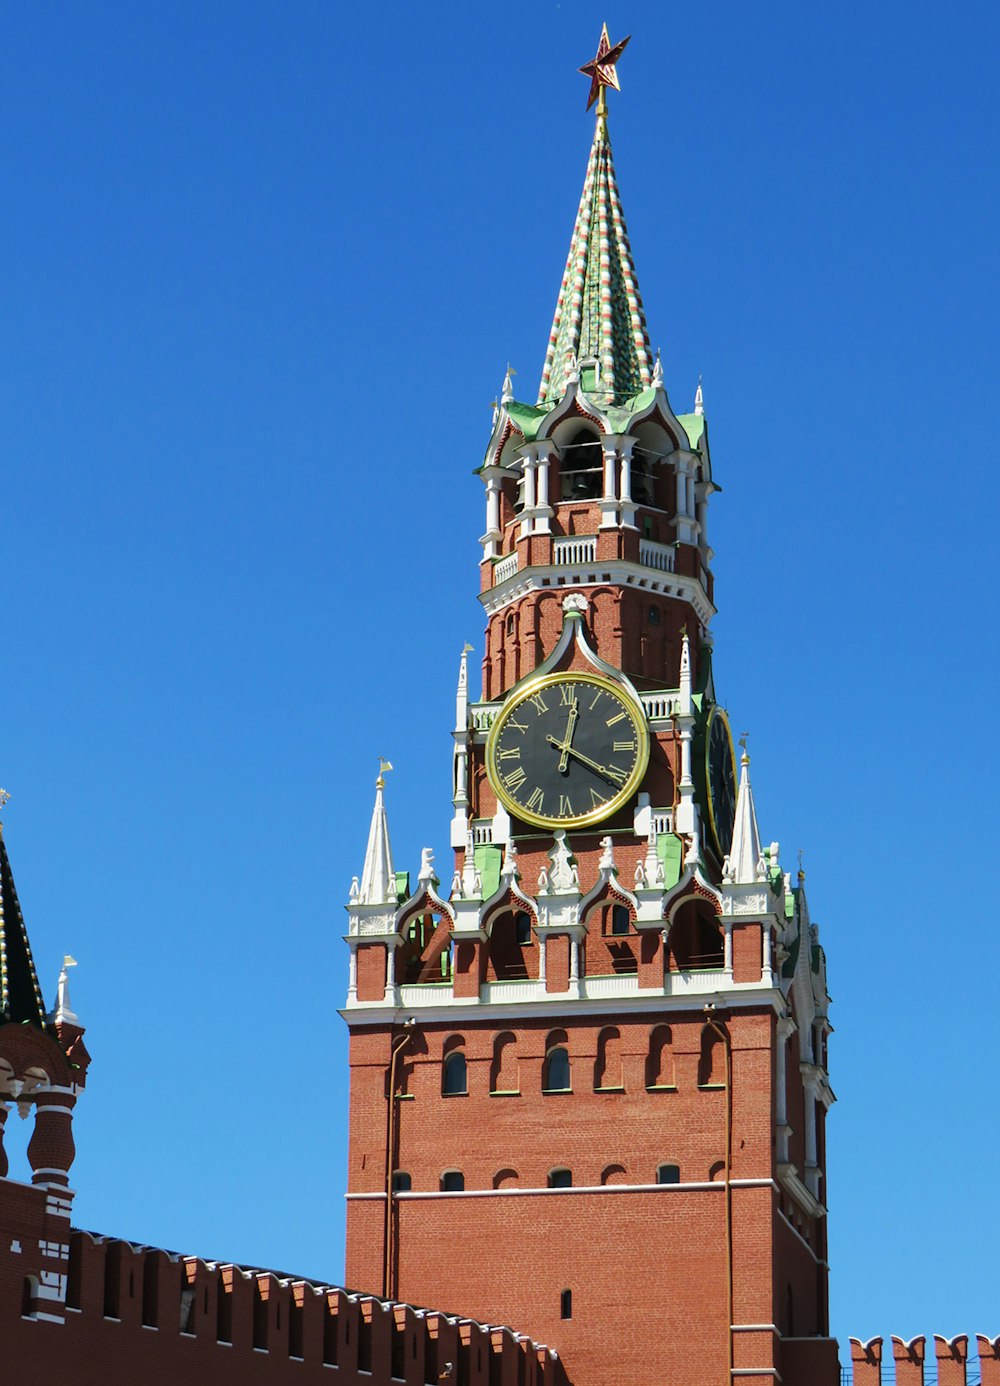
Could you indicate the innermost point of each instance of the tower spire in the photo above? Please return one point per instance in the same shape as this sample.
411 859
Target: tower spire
599 317
743 865
20 995
378 880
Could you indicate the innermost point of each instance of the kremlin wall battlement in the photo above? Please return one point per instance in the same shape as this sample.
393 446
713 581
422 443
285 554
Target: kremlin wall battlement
164 1317
947 1362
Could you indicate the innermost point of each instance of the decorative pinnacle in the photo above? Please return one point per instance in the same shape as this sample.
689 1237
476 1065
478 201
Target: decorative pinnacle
699 399
745 757
383 766
602 72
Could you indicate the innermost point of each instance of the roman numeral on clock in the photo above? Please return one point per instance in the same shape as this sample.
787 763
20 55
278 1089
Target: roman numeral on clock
535 798
567 694
565 807
514 753
515 779
540 704
624 746
618 717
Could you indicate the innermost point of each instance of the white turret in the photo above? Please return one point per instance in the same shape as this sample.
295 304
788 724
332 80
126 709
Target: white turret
687 809
745 863
378 880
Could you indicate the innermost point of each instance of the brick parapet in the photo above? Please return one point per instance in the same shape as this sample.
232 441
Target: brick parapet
141 1313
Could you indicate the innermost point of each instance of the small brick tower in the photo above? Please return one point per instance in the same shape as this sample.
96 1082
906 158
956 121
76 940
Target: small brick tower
589 1082
43 1065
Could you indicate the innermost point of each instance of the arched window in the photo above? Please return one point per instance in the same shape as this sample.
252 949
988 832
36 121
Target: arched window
454 1075
505 1179
695 940
556 1077
668 1174
566 1304
660 1059
509 954
613 1174
620 921
581 470
452 1181
711 1060
401 1182
522 927
608 1064
504 1074
29 1297
560 1178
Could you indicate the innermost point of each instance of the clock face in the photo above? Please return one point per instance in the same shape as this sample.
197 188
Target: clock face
568 750
720 779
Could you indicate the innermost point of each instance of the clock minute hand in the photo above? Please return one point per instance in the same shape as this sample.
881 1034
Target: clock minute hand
594 765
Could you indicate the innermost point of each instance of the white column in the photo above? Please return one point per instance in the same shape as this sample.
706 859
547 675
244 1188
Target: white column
352 973
727 955
766 964
491 539
528 513
609 501
542 945
574 962
626 445
543 511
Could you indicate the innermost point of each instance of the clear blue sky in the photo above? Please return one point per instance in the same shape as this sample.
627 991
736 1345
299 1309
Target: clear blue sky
262 269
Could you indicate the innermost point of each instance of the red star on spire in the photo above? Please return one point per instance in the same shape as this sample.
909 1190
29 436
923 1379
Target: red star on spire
601 70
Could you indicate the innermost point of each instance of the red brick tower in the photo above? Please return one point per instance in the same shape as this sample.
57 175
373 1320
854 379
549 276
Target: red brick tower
588 1082
43 1065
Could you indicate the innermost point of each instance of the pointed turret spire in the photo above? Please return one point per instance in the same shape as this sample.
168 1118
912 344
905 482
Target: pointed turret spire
599 315
378 880
63 1013
744 865
20 995
699 400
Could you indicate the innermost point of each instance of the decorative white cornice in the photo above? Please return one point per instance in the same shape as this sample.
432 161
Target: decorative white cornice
598 574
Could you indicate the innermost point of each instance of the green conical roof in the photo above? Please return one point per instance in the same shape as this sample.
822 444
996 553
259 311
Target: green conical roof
599 310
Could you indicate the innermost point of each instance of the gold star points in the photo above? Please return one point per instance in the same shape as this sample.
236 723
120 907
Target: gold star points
601 70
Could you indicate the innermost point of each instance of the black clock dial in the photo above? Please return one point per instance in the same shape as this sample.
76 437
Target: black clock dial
569 749
721 780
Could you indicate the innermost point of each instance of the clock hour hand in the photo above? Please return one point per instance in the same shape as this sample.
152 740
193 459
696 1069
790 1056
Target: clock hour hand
574 713
602 770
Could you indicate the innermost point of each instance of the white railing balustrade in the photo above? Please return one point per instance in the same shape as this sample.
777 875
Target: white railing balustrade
482 831
621 984
505 569
580 549
659 556
658 706
530 990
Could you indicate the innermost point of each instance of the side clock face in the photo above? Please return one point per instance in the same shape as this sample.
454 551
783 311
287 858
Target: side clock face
568 750
720 779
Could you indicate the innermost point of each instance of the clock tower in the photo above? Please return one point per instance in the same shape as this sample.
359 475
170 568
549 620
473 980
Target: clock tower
588 1072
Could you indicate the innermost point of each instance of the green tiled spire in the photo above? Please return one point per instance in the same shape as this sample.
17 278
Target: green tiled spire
599 311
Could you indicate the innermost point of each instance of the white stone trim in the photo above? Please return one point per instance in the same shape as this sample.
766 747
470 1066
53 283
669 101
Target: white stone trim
455 1010
552 577
754 1328
700 1186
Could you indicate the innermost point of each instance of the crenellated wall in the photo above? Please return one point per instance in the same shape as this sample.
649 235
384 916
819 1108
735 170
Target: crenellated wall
946 1361
136 1313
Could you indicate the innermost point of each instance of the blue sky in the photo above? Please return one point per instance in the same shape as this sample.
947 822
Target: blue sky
262 270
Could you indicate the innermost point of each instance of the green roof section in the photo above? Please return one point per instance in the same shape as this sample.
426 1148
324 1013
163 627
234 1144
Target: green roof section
670 850
694 427
489 860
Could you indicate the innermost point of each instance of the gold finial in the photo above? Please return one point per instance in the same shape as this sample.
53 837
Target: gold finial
602 73
745 757
383 766
802 874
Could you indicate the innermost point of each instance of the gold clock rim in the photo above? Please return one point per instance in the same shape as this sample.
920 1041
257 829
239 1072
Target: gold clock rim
717 712
527 690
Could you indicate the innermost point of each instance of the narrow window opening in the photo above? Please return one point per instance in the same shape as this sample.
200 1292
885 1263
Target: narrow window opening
452 1181
668 1174
29 1297
581 474
522 927
557 1073
560 1179
401 1182
654 612
566 1304
454 1078
620 922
